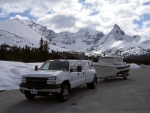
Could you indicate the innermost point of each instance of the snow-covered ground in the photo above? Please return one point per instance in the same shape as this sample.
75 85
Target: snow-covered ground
11 72
134 66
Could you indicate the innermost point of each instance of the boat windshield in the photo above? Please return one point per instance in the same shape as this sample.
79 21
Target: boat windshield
118 60
106 60
110 60
102 60
55 65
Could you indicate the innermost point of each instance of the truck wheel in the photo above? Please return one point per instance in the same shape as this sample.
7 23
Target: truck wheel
93 84
64 93
29 96
125 76
88 85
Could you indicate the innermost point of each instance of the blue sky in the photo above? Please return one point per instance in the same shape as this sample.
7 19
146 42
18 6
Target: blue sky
143 18
133 16
25 13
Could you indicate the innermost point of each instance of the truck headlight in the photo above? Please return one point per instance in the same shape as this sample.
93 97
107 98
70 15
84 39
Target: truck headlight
23 79
51 80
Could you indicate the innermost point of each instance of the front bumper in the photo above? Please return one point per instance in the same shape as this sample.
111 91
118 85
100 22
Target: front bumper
58 90
40 88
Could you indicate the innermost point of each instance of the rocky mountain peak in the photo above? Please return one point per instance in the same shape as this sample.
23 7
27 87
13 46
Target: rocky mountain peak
116 27
117 30
116 33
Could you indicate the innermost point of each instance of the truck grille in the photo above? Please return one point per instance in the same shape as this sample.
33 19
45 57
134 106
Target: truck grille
32 81
38 83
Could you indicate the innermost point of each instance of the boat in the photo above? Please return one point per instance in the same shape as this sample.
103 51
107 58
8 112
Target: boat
111 66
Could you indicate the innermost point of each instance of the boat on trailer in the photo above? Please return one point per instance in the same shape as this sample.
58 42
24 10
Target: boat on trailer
111 66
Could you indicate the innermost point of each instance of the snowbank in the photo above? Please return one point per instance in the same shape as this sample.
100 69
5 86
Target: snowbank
134 66
11 72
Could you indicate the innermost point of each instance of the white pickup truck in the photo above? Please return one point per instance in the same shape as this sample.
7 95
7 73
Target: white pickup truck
58 77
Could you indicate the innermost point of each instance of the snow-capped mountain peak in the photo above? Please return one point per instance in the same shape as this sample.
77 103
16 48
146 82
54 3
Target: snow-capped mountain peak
116 27
117 42
117 32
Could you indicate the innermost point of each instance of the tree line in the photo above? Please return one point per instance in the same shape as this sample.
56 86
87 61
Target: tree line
32 54
138 59
41 54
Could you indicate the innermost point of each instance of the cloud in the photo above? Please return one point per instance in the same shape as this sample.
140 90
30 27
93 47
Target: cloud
20 17
14 6
71 15
59 22
62 21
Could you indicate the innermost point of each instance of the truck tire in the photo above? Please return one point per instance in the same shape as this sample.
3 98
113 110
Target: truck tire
125 76
29 96
93 84
64 93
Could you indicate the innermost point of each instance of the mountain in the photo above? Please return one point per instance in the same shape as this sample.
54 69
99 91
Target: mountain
24 32
117 42
82 40
87 40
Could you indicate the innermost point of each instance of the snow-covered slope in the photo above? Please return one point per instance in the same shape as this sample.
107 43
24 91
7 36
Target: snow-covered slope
11 72
17 32
24 32
117 42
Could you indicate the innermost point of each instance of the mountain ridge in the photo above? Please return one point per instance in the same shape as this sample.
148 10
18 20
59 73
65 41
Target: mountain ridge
25 32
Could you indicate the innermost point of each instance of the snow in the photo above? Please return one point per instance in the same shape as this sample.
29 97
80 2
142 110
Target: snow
116 40
20 29
134 66
57 48
11 73
25 32
82 31
80 41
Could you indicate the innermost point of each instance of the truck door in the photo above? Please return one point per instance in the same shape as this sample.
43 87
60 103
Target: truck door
81 74
75 77
88 70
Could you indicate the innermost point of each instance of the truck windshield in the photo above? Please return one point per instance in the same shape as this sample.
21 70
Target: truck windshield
55 65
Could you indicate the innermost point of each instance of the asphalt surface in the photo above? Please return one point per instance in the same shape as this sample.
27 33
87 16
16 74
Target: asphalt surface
110 96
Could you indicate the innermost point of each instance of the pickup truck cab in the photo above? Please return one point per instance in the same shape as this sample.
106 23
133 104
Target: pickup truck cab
58 77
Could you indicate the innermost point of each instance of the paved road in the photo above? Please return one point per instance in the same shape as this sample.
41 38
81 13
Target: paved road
111 96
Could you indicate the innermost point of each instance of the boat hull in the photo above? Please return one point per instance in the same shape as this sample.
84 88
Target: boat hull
107 71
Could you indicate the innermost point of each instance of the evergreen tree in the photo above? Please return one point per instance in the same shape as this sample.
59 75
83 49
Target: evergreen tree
41 44
43 51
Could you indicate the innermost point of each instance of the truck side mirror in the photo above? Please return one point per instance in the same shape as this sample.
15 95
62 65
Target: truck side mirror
79 68
36 68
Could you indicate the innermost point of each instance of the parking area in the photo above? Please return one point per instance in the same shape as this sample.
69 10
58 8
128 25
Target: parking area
110 96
